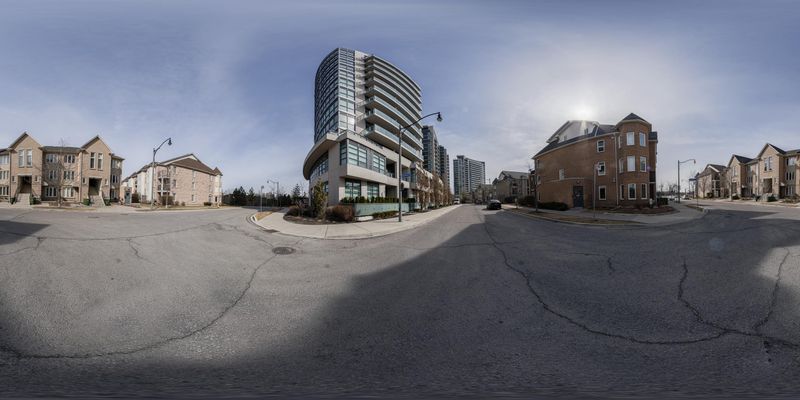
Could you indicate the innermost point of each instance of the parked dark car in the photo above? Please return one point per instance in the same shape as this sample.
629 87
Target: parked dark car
494 205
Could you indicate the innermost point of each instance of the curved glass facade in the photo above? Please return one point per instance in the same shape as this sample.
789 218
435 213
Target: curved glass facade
350 85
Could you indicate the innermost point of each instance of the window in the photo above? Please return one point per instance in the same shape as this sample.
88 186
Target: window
643 164
631 191
621 194
4 159
29 157
601 192
192 198
631 139
561 174
99 160
619 142
601 168
642 139
631 163
114 179
51 158
68 192
21 158
352 188
193 185
69 158
52 175
768 164
621 165
601 146
91 160
3 190
69 175
51 191
372 190
4 175
644 191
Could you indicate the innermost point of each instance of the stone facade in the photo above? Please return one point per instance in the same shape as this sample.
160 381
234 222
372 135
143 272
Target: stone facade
183 180
59 173
624 154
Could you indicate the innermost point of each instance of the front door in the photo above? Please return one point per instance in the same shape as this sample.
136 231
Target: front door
577 196
24 184
94 186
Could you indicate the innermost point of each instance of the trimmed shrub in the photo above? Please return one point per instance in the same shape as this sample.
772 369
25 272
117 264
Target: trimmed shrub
339 213
510 199
771 198
384 214
554 205
107 201
527 201
87 202
294 211
207 203
662 201
735 197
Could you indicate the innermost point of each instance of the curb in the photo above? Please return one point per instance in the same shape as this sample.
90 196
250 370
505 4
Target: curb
410 226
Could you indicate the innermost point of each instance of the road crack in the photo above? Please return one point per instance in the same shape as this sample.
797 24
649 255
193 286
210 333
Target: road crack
773 296
20 355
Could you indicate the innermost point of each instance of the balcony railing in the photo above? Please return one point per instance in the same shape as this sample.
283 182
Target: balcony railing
392 122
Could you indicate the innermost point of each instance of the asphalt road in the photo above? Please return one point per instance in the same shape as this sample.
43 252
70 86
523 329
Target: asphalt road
476 303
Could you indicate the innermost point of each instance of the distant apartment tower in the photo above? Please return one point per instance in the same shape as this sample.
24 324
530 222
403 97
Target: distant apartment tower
444 166
467 174
435 155
360 101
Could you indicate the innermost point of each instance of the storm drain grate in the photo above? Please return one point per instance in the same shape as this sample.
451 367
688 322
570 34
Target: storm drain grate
283 250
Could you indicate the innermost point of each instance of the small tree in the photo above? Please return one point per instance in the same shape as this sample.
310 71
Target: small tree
319 199
297 192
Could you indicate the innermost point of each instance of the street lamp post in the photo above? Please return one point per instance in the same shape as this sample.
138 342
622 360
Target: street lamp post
277 191
400 160
679 176
168 141
261 199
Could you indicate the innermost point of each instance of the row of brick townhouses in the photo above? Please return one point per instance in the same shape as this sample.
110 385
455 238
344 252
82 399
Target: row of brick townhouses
30 171
621 158
180 180
772 172
512 185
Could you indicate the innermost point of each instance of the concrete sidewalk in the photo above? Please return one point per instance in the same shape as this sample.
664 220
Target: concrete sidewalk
681 214
355 230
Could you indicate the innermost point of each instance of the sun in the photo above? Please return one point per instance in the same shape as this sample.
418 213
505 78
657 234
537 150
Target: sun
583 112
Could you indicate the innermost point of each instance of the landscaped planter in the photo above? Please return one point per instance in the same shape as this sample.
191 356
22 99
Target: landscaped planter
362 209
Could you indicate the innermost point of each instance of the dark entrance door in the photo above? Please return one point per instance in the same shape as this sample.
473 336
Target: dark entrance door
94 186
25 184
577 196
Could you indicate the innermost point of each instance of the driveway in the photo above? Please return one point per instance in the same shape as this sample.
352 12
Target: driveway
480 303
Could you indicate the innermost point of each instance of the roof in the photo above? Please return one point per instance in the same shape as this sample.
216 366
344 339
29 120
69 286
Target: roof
711 168
633 117
22 136
514 174
61 149
193 164
217 171
598 130
778 149
742 159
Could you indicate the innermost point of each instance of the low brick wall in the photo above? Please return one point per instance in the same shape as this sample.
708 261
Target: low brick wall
362 209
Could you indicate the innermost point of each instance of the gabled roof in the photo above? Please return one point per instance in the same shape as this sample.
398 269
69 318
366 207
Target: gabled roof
189 155
513 175
778 149
712 168
19 139
217 171
741 159
193 164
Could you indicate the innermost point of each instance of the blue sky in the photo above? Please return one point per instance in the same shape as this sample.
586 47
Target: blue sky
232 81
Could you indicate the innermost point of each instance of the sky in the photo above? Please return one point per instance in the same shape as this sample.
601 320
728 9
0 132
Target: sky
233 81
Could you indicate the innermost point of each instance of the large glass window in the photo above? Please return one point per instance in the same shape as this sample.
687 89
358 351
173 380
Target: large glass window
642 139
644 191
352 188
373 190
631 191
643 164
601 146
631 140
631 163
601 192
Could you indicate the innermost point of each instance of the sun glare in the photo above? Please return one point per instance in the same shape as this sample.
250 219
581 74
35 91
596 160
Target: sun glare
583 112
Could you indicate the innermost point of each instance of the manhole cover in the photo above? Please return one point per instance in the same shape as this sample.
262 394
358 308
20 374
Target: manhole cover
283 250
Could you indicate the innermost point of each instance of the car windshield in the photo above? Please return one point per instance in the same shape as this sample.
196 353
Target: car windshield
399 199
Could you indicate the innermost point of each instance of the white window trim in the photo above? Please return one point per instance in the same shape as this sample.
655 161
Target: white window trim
630 139
631 161
603 171
562 174
642 139
631 185
601 146
643 166
644 192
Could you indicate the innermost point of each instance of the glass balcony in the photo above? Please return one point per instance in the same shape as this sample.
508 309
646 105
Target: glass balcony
405 97
391 121
411 115
391 141
413 129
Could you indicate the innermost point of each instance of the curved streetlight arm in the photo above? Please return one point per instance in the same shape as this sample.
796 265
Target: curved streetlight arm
168 141
400 160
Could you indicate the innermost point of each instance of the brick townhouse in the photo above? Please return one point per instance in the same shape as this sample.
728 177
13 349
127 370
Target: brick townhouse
511 185
30 171
180 180
711 182
623 155
773 172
